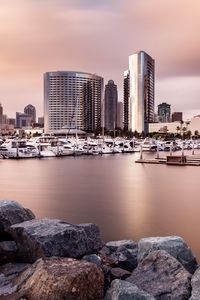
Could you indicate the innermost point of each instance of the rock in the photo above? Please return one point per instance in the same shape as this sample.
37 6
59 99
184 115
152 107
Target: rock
11 212
125 258
8 274
93 258
118 273
114 245
56 278
162 276
122 290
195 285
174 245
50 237
8 251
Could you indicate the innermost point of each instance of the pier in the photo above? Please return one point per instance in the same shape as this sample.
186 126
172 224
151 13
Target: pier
176 160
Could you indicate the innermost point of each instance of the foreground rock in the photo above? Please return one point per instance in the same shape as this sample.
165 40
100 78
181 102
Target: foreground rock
123 253
174 245
162 276
57 278
49 237
8 251
196 285
11 212
122 290
8 274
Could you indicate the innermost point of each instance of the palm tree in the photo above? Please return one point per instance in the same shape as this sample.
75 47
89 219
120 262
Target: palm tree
178 129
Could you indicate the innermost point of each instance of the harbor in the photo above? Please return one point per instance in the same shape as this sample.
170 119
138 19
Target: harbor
51 146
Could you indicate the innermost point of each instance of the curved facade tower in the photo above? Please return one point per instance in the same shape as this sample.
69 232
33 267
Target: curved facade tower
139 92
72 100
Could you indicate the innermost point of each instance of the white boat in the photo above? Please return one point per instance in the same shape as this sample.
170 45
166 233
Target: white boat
66 150
18 149
148 145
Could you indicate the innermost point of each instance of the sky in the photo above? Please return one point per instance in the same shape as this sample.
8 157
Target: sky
97 36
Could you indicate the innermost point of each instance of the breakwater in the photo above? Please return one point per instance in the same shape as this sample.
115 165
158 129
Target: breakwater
52 259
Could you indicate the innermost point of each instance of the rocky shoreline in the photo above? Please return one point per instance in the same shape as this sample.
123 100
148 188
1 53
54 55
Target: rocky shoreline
49 259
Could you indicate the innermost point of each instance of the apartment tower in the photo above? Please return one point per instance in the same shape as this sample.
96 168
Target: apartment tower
72 100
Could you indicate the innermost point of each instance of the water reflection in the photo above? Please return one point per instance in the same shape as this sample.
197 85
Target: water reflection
125 199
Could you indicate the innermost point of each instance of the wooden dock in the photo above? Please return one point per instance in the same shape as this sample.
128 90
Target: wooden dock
175 160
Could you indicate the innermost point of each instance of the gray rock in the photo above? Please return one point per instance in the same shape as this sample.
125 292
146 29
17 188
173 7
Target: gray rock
57 278
126 258
8 250
174 245
195 285
114 245
8 275
50 237
93 258
118 273
162 276
11 212
122 290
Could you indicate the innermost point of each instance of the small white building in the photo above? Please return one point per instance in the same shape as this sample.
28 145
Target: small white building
164 127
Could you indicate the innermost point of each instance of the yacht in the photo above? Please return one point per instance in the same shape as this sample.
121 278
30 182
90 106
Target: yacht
18 149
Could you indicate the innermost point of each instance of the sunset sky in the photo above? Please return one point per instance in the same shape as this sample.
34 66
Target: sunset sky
97 36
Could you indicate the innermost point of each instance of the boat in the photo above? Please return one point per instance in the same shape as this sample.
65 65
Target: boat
18 149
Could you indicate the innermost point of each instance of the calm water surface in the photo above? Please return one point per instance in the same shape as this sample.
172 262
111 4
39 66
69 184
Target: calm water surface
127 200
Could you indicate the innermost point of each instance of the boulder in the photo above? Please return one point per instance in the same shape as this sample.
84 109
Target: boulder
174 245
122 254
122 290
93 258
162 276
8 275
118 273
11 212
114 245
51 237
8 250
195 285
125 258
56 278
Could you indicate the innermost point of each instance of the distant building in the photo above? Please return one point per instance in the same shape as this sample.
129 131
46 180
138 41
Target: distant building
1 114
164 112
41 121
23 120
139 92
4 119
177 116
31 111
72 100
120 113
110 105
168 127
11 121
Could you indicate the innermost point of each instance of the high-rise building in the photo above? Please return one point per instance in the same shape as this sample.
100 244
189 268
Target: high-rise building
41 121
31 111
1 114
110 99
120 113
139 92
177 116
72 100
164 112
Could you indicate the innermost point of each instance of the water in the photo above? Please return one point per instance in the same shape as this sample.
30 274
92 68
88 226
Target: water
127 200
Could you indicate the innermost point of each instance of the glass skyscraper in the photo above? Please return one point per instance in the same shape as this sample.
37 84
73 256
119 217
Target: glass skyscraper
139 92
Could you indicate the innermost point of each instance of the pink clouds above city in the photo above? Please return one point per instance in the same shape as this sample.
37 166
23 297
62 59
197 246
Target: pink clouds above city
98 36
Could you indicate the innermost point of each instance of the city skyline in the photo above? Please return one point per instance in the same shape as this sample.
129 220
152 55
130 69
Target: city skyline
69 35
